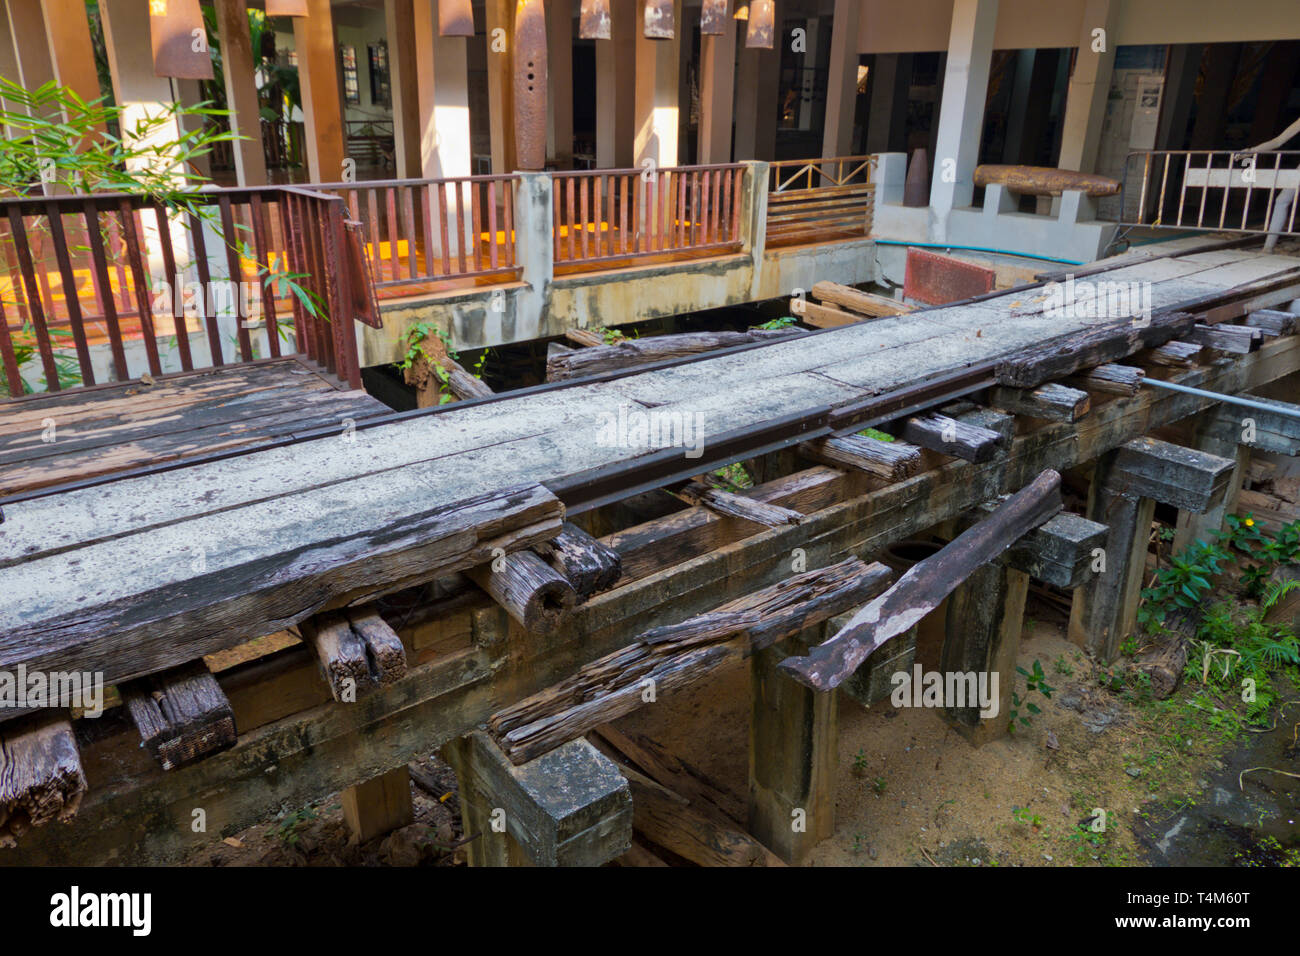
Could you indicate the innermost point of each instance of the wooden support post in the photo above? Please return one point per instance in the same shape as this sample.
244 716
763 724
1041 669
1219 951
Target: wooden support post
358 651
569 807
985 616
793 744
182 714
1125 487
380 805
865 303
533 592
40 774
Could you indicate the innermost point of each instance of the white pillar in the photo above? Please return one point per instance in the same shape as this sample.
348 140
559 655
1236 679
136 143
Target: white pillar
961 112
717 93
656 94
138 92
1085 103
443 81
842 79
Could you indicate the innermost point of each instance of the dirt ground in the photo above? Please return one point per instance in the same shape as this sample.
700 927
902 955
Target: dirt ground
913 792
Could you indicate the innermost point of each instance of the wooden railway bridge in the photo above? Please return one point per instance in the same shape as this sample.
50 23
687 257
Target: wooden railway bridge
475 578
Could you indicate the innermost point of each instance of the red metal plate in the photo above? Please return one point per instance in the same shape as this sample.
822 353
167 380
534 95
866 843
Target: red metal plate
938 280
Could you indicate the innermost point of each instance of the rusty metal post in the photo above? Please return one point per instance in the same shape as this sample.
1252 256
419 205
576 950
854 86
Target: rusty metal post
530 84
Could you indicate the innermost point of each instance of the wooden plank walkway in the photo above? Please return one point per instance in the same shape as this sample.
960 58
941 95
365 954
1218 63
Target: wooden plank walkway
108 585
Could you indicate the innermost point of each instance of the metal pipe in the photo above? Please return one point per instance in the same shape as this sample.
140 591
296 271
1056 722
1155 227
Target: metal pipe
1275 220
1290 411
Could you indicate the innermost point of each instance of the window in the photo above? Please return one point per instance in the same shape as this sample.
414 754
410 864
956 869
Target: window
351 86
381 93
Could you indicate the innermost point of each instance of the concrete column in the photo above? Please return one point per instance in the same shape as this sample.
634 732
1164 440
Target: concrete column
318 79
559 117
793 739
1085 103
717 91
961 111
535 253
442 81
1277 80
887 116
399 25
137 91
842 79
616 88
655 135
758 75
501 99
238 66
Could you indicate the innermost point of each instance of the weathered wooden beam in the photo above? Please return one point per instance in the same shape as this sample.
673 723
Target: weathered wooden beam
1178 476
584 338
980 417
949 436
736 506
182 714
358 651
569 807
793 756
628 353
855 300
1177 354
532 592
1272 322
1054 402
590 566
673 656
892 461
823 316
1237 339
1220 431
1096 346
984 621
1110 380
40 774
671 771
920 589
1277 432
1059 552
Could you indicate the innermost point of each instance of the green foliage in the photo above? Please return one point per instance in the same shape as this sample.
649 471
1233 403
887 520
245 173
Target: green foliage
1241 652
292 823
784 322
1028 817
734 477
876 434
1183 584
1035 682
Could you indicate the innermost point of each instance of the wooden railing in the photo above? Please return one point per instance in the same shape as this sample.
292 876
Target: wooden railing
818 199
606 215
97 275
432 230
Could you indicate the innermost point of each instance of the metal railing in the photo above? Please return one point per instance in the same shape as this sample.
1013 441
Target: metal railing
1221 190
818 199
607 215
91 275
433 230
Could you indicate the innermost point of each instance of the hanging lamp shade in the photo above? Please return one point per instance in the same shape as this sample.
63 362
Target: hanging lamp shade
180 41
713 15
659 20
530 71
286 8
593 20
762 16
742 10
455 18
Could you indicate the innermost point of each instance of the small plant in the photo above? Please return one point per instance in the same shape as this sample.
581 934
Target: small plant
878 786
784 322
293 823
1183 584
860 763
734 477
876 434
1028 817
1062 667
1035 681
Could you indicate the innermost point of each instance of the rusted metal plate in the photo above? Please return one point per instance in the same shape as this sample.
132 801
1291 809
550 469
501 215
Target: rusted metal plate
713 17
530 84
180 41
365 303
593 20
455 18
938 280
761 32
1045 181
286 8
659 19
